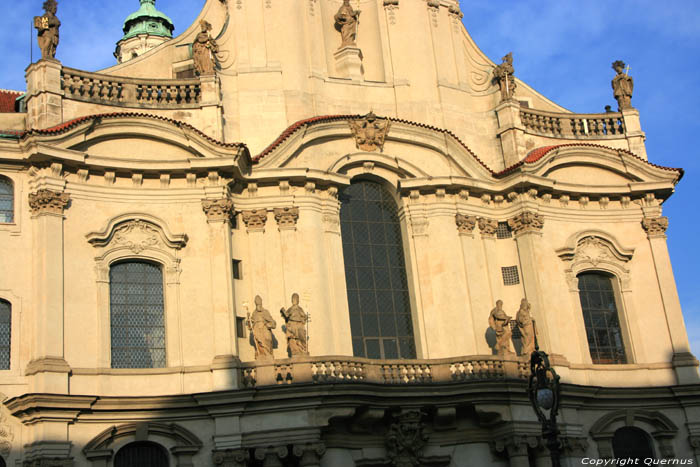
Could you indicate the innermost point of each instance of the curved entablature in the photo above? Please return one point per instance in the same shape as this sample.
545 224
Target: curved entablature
154 229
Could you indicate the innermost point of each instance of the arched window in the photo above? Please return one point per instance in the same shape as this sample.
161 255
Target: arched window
5 334
136 315
2 462
631 442
375 273
600 317
141 454
7 201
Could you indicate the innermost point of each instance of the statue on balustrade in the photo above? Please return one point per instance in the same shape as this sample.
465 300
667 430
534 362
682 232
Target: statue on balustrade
47 30
500 323
622 85
204 50
523 318
261 324
346 21
503 75
295 329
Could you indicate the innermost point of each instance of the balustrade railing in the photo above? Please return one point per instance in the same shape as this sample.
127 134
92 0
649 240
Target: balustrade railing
130 92
583 126
325 370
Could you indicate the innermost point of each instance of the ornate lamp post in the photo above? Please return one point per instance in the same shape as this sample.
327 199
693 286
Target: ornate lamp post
543 389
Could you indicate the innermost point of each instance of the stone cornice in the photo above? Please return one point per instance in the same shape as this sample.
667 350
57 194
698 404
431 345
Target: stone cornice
48 202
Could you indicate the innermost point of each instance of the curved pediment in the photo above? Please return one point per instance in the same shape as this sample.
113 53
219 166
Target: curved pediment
136 137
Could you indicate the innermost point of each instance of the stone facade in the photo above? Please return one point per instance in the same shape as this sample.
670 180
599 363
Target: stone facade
235 185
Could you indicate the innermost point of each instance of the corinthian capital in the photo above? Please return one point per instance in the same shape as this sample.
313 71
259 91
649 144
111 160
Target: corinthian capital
48 201
488 227
655 226
255 219
217 209
465 224
526 221
286 217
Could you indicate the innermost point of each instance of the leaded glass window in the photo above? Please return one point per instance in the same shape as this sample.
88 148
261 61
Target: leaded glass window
5 334
601 318
141 454
136 315
7 201
375 273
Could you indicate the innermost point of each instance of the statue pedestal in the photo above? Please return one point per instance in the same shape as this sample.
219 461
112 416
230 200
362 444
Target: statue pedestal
44 94
510 132
348 63
633 132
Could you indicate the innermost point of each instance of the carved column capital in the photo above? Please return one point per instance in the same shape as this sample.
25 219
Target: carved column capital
655 226
271 456
286 217
254 220
526 221
465 224
487 227
48 202
309 454
695 443
231 458
573 446
515 445
217 210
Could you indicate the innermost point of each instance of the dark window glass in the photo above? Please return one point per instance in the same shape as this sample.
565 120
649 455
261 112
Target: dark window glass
236 265
136 315
141 454
600 318
510 275
7 201
2 462
5 329
631 442
504 231
375 273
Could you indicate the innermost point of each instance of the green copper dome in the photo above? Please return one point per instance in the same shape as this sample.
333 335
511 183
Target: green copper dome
148 20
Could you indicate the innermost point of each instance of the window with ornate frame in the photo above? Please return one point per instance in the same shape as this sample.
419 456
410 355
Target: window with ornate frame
7 201
601 318
375 273
5 334
138 238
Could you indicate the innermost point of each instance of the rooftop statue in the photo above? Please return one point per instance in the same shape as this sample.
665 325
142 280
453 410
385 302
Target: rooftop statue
346 21
47 30
527 329
261 324
296 320
622 85
204 49
499 322
503 75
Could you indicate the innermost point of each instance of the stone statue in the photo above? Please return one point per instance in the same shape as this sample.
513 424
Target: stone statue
204 50
346 21
261 324
527 329
498 320
47 30
296 320
503 75
622 85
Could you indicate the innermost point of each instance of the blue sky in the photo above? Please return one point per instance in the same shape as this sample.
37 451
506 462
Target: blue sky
562 48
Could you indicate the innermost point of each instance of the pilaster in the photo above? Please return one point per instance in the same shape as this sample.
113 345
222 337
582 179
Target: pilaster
218 213
510 131
47 364
44 94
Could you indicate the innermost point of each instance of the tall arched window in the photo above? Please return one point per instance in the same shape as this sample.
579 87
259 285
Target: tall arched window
5 334
631 442
7 201
601 318
136 315
141 454
375 273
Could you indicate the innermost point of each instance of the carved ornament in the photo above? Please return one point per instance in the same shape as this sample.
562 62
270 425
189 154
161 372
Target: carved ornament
526 221
655 226
137 232
255 219
515 445
487 227
6 436
574 446
48 201
136 235
594 250
370 132
286 217
271 455
309 454
217 209
406 439
231 458
465 224
503 76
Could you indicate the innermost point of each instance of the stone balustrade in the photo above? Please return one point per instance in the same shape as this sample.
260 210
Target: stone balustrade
331 370
130 92
579 126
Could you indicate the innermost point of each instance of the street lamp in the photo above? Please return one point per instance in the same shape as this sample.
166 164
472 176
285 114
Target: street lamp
543 389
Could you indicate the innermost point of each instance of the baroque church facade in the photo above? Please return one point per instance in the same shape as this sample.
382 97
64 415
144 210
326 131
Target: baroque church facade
420 217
